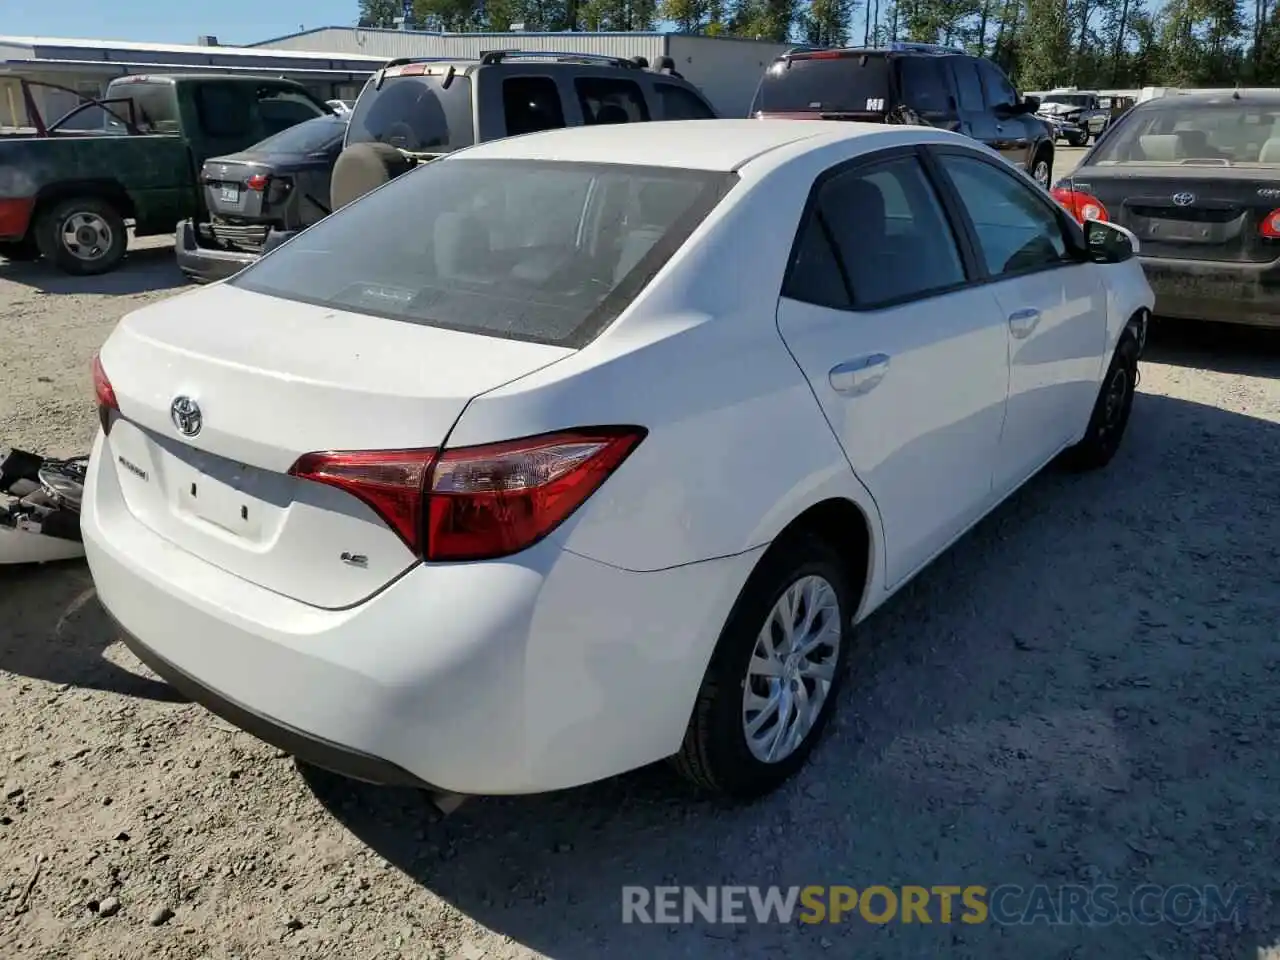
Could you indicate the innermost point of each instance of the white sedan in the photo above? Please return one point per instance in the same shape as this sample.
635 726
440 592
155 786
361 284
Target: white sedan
584 449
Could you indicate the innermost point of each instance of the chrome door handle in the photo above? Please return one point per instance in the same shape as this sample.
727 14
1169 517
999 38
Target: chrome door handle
856 377
1022 322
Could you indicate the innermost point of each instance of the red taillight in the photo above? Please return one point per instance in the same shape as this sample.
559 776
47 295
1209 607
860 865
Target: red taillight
389 481
478 503
1270 226
1082 206
102 389
257 182
822 55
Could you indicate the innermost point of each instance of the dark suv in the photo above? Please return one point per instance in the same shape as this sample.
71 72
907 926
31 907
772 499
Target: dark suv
911 83
414 110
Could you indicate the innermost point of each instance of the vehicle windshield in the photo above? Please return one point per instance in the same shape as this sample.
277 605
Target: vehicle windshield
527 250
858 84
310 136
418 114
1228 134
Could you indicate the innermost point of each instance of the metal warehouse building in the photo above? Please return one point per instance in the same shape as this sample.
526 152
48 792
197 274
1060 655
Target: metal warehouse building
86 66
727 70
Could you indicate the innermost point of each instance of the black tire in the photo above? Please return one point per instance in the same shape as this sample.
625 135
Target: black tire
1110 412
20 251
715 755
87 258
1044 156
361 168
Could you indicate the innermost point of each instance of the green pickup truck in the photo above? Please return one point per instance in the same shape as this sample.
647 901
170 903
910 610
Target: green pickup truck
132 158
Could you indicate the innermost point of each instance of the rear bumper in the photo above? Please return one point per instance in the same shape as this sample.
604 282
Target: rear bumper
539 672
1243 293
206 264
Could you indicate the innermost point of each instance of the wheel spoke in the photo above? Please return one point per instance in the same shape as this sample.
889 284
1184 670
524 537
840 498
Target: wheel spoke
766 667
767 707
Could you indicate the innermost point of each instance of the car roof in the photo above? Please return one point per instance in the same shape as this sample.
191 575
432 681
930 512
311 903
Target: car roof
1269 97
723 145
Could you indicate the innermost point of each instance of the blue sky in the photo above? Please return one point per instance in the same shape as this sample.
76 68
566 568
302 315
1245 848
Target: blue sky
163 21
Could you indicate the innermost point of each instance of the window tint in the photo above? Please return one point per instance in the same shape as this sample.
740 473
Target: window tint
281 109
924 86
999 90
967 84
415 113
815 275
828 85
679 104
224 110
519 249
889 231
1221 132
1016 229
530 104
610 101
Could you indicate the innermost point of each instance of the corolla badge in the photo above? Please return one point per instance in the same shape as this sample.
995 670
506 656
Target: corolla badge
1183 199
186 416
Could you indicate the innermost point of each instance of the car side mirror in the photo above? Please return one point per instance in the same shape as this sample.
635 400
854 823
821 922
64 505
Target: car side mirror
1109 242
1030 104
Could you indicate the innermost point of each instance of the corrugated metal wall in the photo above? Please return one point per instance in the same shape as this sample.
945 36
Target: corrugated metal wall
728 71
398 43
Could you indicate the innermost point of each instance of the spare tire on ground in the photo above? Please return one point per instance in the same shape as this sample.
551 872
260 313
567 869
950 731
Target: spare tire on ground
362 167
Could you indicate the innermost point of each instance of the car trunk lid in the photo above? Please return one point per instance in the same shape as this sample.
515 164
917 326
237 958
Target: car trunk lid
273 380
1212 213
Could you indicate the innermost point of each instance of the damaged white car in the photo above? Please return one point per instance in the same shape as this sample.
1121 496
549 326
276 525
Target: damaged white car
40 507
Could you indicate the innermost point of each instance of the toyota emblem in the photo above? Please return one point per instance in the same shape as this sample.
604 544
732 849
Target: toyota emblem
1183 199
186 416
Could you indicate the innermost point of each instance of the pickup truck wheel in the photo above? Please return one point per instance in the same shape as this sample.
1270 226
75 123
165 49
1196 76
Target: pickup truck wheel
83 236
19 251
775 673
1042 167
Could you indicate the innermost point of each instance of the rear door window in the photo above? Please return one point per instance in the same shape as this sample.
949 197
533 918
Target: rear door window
968 85
680 104
530 104
924 85
418 114
605 100
857 84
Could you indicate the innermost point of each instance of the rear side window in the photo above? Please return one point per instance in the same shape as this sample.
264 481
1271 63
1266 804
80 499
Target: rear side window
888 233
530 104
528 250
224 110
281 108
610 101
825 85
415 113
155 106
968 86
680 104
924 85
311 136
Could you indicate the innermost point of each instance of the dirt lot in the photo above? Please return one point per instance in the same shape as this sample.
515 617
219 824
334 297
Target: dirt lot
1076 694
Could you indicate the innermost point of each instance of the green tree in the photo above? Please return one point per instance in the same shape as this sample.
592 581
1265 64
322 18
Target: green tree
826 23
379 13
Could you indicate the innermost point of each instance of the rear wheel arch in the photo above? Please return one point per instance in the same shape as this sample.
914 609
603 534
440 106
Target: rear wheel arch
110 191
845 527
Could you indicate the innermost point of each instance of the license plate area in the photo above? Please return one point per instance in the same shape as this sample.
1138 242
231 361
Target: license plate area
229 193
227 505
1184 231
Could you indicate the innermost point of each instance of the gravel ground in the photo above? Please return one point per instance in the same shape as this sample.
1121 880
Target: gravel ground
1075 693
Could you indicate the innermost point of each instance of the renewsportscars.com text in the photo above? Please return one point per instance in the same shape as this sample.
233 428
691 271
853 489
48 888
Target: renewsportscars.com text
1007 904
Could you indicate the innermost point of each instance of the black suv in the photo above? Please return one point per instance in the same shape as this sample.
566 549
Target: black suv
916 83
418 109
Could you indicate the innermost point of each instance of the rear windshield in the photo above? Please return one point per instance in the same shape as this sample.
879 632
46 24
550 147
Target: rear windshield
1209 134
543 251
837 85
310 136
415 113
